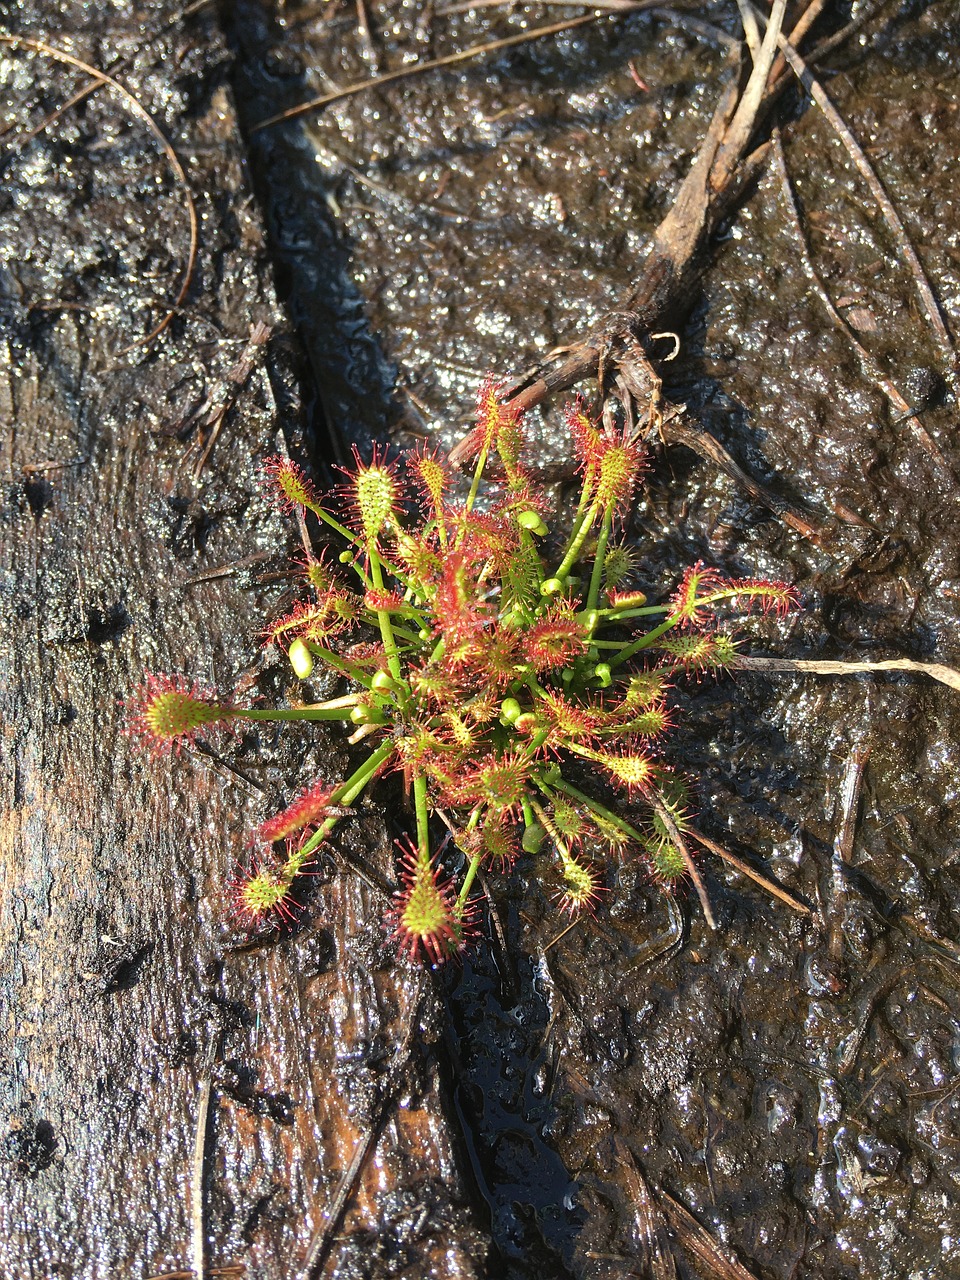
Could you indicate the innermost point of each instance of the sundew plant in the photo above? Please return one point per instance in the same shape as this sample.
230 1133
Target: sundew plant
522 697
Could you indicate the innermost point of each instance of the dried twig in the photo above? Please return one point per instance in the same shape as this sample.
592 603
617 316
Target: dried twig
60 55
751 29
236 1270
699 1244
673 831
870 365
333 1213
797 34
197 1232
91 87
651 1228
330 1220
745 869
433 64
689 22
607 6
563 933
366 35
935 670
842 853
849 800
222 396
928 299
737 135
621 343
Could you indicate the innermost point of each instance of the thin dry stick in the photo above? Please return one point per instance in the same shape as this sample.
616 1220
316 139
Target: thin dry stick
678 17
317 1249
197 1233
651 1227
673 831
222 398
870 366
698 1242
800 29
822 47
843 851
745 869
928 299
829 43
366 35
935 670
934 940
734 145
608 6
93 85
237 1269
331 1217
706 30
59 55
449 60
849 800
751 30
562 934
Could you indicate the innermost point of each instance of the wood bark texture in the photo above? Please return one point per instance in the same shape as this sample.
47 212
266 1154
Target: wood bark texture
122 979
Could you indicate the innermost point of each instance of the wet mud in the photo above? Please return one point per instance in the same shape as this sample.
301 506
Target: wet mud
135 535
790 1081
579 1106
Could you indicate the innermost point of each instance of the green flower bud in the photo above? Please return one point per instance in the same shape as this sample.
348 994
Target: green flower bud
510 710
530 520
361 714
301 659
533 838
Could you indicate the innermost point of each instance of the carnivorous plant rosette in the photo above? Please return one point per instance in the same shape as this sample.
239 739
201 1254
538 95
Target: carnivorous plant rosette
493 681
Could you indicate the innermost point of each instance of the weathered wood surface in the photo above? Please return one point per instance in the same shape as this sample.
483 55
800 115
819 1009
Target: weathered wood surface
808 1123
119 970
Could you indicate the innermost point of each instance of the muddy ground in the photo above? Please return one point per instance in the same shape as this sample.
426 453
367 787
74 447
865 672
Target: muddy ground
789 1081
468 222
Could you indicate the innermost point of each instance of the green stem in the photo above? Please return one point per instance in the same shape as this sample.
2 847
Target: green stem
334 524
619 615
645 641
384 619
602 540
346 793
423 818
411 637
355 541
477 474
336 663
437 651
598 808
577 539
296 713
472 868
528 546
